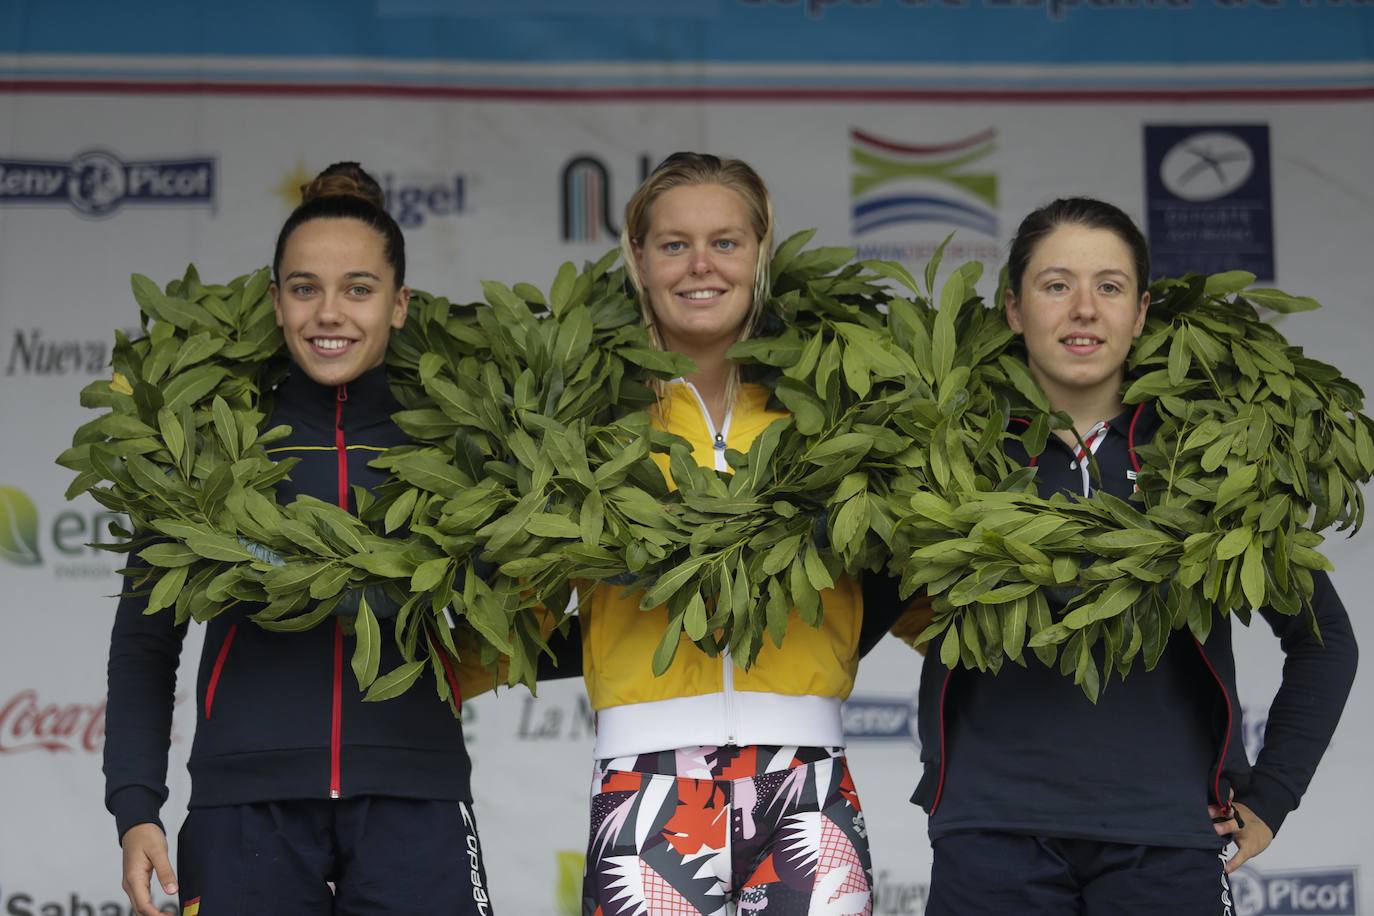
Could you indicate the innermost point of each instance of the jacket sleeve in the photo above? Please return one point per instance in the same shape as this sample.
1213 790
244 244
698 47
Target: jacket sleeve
1317 676
566 646
885 612
142 675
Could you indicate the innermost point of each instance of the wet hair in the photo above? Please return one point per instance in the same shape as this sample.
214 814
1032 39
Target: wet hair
1076 211
689 169
346 191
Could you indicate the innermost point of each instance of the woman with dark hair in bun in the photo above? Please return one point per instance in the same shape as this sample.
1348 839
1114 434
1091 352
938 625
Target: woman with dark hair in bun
304 799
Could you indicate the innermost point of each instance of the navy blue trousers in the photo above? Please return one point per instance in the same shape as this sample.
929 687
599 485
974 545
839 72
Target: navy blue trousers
370 855
998 874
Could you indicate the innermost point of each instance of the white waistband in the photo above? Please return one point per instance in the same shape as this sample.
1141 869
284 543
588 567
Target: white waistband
718 719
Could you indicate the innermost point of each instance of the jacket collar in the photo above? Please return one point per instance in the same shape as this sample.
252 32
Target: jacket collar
367 395
1136 423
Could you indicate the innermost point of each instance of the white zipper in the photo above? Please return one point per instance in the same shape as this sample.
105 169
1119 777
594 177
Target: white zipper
718 436
728 692
718 442
1080 463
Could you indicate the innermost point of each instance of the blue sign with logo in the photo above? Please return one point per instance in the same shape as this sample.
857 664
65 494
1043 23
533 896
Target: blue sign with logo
1209 199
1334 892
879 719
96 183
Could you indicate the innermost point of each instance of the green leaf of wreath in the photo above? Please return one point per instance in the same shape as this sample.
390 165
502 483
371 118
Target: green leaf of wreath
394 683
671 582
367 653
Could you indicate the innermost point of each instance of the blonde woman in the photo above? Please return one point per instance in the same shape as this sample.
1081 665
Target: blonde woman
716 787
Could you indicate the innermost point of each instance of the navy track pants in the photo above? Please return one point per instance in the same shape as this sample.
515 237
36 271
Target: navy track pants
998 874
370 855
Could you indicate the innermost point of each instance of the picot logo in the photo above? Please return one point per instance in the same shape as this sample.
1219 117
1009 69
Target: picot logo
587 207
412 198
96 183
895 183
1329 891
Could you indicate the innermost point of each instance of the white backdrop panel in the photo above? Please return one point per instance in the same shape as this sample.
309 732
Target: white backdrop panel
482 186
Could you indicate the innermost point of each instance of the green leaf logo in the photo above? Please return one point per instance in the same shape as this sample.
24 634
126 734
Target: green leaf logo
18 528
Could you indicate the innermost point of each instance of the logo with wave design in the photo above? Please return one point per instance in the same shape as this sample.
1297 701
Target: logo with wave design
18 528
895 183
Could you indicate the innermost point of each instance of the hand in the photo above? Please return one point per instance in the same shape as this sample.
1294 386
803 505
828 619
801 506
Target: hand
145 851
1251 835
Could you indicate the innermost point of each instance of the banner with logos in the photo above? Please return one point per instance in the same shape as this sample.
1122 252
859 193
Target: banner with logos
508 142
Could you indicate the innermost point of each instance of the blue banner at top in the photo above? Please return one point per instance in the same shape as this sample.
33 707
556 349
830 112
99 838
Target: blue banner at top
870 32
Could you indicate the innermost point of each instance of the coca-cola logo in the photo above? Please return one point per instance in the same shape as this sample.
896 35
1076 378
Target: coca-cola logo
28 724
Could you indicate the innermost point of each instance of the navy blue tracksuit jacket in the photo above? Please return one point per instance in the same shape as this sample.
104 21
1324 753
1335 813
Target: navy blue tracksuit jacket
1025 752
279 715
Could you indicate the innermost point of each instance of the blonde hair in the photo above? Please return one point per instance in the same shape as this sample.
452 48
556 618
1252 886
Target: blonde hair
687 170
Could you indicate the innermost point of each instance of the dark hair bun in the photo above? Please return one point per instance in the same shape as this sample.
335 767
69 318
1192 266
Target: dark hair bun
344 179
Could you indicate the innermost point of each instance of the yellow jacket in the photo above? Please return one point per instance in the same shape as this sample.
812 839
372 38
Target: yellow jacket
791 695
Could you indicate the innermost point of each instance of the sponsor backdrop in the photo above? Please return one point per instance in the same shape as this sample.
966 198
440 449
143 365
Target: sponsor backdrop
508 137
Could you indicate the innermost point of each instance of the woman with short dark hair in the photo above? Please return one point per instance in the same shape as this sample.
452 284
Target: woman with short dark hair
1039 800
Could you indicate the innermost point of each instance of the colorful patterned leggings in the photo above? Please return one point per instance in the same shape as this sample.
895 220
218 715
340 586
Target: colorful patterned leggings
749 830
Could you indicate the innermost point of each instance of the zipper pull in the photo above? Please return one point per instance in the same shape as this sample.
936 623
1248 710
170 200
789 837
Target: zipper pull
719 444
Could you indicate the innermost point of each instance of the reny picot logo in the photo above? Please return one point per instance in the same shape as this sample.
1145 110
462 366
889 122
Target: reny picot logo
96 183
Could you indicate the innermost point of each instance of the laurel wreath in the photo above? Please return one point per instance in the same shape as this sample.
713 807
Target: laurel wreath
181 451
530 472
1259 449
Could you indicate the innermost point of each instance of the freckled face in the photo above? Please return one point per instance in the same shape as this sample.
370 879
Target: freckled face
697 262
1079 309
337 301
